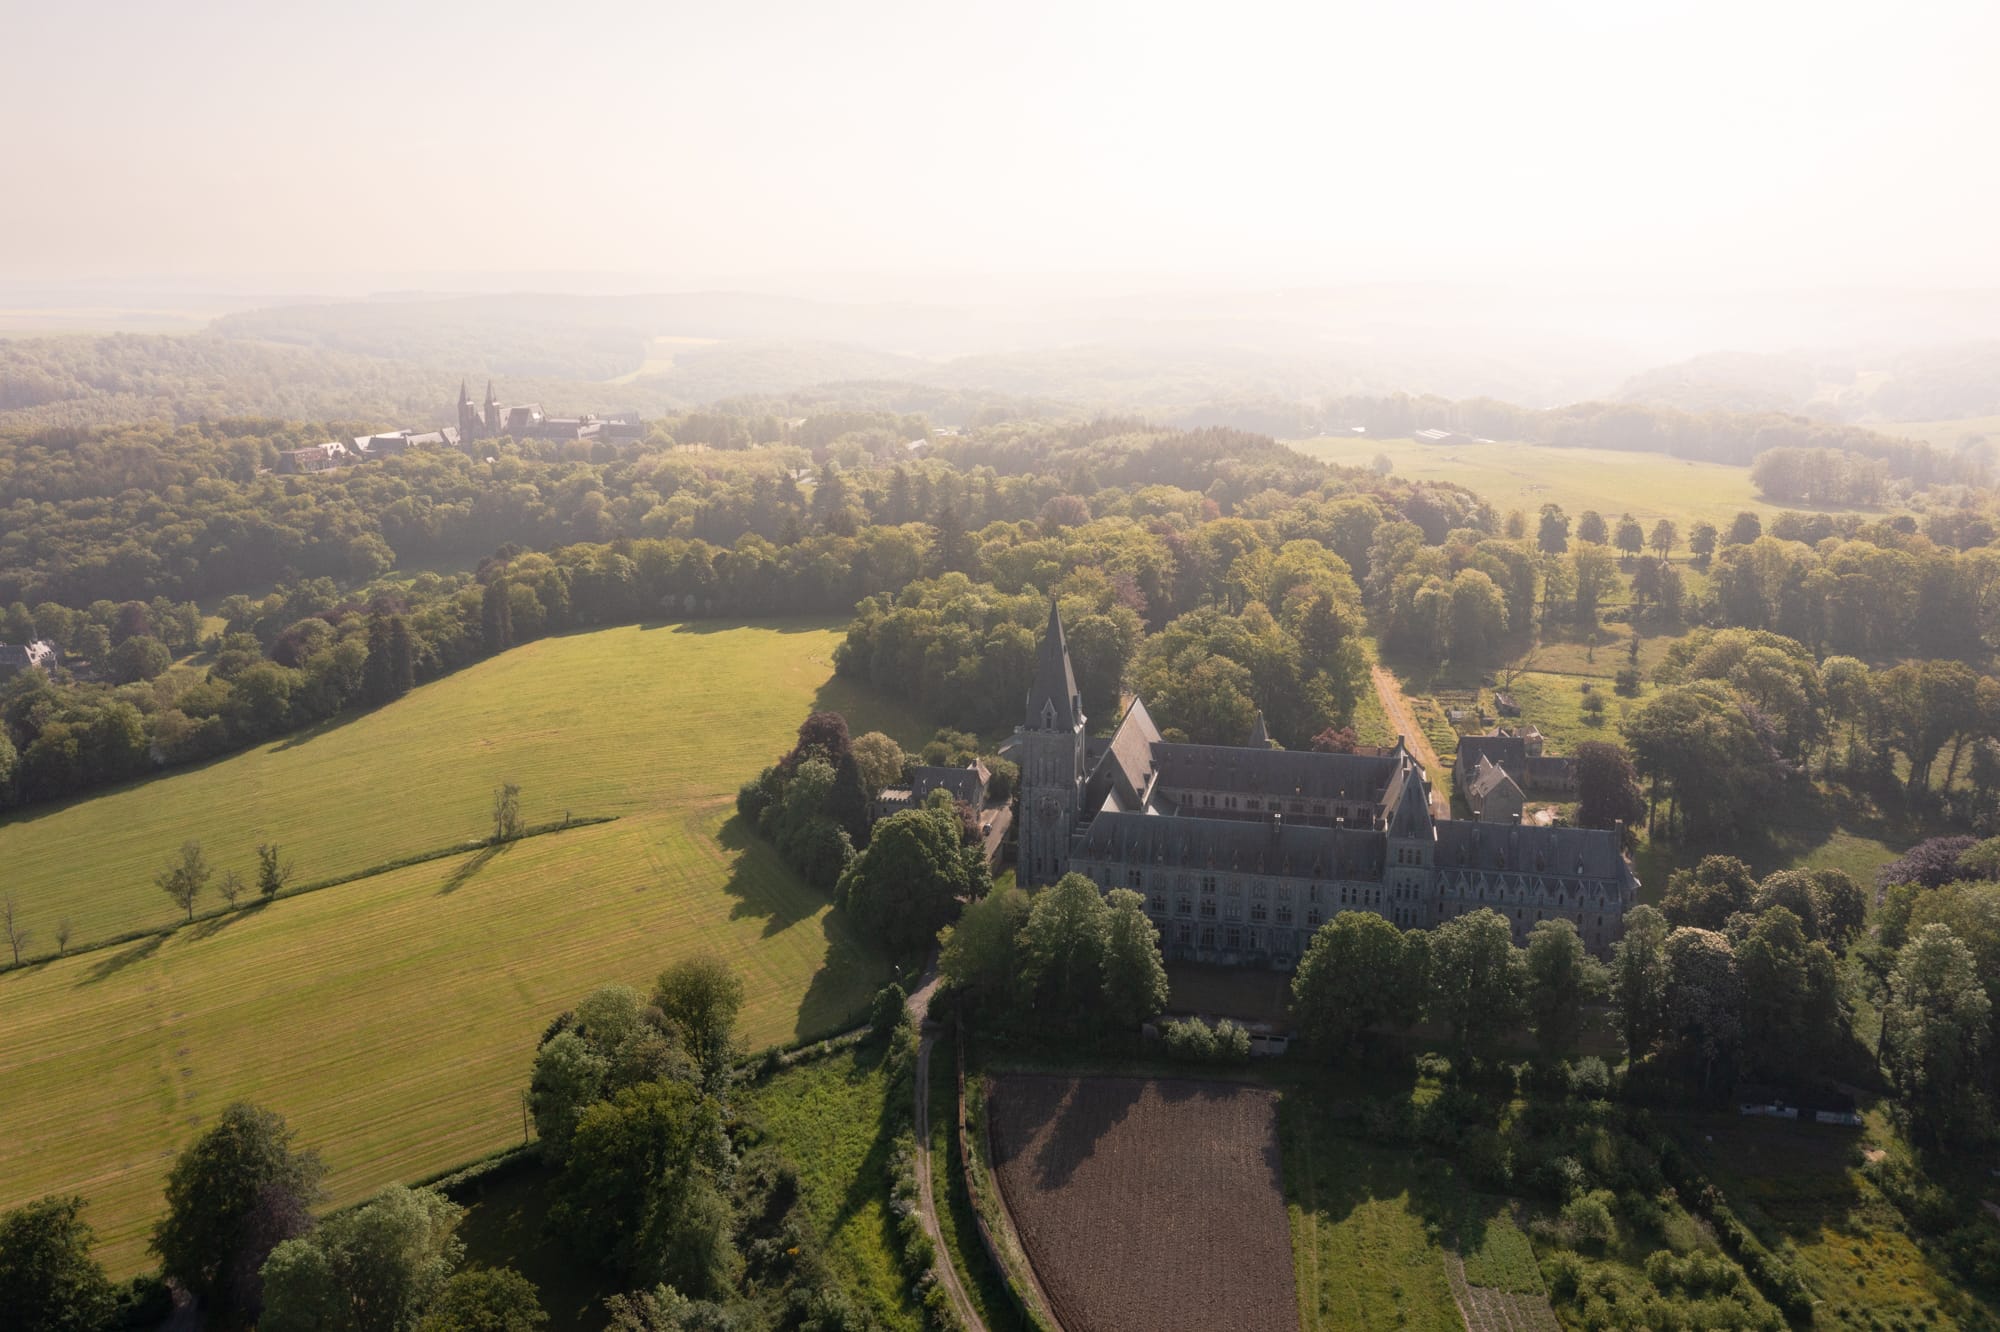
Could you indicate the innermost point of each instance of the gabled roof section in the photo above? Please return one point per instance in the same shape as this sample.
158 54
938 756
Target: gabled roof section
1054 702
1489 778
1407 811
1124 764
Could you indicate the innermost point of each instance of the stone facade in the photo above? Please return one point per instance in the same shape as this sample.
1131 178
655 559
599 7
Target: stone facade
1242 852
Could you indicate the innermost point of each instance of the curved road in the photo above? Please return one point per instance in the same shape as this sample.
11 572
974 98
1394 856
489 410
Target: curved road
947 1270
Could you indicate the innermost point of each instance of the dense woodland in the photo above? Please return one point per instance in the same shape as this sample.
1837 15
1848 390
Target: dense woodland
204 603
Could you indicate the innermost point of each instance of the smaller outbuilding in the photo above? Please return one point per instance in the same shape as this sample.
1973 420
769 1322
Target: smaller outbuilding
39 655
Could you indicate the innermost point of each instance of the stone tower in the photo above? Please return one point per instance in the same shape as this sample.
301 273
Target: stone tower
1050 747
468 420
492 413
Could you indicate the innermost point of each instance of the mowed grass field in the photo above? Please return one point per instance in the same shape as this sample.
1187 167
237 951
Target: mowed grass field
620 721
1649 486
392 1020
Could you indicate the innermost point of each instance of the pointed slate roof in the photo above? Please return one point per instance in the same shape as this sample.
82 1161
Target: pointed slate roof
1055 680
1260 736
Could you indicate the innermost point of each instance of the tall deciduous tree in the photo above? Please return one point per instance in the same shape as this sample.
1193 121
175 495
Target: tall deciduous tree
486 1299
1559 976
1063 947
639 1195
1704 998
1709 894
905 886
1476 979
48 1279
374 1269
234 1194
185 877
1639 980
980 955
1607 787
1359 974
1135 979
701 996
1936 1037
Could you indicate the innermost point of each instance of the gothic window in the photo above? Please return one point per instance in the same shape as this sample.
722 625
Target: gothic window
1133 878
1184 906
1284 913
1208 908
1235 910
1208 936
1208 884
1258 912
1313 917
1183 933
1235 937
1157 905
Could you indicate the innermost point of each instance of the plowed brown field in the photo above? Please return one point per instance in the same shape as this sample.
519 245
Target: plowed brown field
1148 1205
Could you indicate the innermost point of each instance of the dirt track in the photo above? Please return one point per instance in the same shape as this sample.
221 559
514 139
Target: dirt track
947 1268
1391 693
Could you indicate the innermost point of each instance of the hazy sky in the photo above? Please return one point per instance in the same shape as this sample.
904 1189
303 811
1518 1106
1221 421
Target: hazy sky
1755 143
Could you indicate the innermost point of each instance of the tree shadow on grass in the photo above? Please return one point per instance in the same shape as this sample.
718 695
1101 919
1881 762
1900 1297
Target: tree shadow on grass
838 995
210 926
122 959
763 885
297 739
809 624
462 873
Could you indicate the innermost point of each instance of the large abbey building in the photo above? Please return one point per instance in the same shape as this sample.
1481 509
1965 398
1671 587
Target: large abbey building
529 421
1241 852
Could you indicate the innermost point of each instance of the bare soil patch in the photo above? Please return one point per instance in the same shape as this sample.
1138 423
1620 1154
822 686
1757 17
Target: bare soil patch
1148 1205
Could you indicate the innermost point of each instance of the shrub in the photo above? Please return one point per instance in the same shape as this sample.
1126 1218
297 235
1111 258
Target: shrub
1587 1223
1564 1273
1590 1079
887 1011
1193 1041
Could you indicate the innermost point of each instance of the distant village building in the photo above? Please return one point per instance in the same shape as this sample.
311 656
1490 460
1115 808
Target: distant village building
1241 853
39 655
528 421
336 453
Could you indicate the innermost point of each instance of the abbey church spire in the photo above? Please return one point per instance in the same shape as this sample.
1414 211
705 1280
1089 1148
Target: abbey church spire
1054 702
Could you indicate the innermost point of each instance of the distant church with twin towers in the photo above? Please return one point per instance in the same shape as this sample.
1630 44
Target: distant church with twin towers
1242 851
528 421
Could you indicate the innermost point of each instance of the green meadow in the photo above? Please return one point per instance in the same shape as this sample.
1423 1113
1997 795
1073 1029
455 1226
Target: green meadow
392 1020
1649 486
629 721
